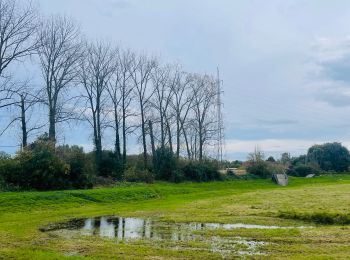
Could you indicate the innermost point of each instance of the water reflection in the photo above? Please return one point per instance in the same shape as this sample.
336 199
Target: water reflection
138 228
132 228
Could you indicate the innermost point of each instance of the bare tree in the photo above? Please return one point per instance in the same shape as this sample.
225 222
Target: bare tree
120 91
204 121
59 52
181 104
97 68
161 98
18 25
128 68
25 99
141 77
7 91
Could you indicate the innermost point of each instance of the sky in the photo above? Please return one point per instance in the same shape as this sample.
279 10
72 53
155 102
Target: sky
285 64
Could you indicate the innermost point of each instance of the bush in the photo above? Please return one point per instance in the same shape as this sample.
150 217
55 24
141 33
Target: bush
257 165
302 170
201 172
7 167
259 168
177 176
134 174
38 168
81 172
104 181
330 157
164 164
41 166
264 169
110 166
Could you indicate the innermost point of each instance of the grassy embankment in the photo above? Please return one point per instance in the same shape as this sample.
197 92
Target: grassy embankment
323 202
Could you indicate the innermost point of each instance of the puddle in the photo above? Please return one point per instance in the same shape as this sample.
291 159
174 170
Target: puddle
177 233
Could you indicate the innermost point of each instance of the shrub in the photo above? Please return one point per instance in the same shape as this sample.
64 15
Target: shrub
81 172
177 176
103 181
330 157
271 159
164 163
259 168
264 169
110 166
302 170
43 167
8 167
257 165
134 174
201 172
39 169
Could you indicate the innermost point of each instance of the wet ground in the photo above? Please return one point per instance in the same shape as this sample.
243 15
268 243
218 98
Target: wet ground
126 229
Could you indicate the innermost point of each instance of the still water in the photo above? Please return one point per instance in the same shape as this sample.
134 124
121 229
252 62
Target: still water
126 229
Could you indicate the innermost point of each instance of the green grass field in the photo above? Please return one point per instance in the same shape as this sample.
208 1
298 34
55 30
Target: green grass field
305 202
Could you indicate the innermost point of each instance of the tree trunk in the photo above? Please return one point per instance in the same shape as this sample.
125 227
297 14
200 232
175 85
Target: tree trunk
154 159
117 138
96 142
178 137
200 142
170 136
187 144
124 135
52 125
24 124
162 134
143 129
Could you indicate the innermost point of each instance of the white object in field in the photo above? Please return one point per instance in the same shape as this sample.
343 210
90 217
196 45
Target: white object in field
310 176
280 179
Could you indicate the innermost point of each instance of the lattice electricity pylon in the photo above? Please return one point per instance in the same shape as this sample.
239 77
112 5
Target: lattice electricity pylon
220 124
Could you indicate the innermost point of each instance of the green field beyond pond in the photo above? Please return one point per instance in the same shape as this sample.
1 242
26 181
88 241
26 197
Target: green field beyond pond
179 221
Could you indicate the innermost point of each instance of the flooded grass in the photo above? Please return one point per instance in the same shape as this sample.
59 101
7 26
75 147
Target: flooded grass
126 229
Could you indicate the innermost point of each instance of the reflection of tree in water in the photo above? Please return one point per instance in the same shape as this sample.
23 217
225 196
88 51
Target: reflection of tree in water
138 228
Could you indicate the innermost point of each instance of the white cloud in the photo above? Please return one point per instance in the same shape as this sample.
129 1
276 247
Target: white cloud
293 146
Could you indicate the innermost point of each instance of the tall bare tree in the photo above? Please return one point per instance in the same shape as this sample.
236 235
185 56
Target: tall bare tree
97 68
59 52
141 78
181 103
25 100
113 89
120 91
204 120
127 68
18 25
161 98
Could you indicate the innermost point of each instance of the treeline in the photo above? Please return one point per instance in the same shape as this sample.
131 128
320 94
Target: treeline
43 165
320 159
108 88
